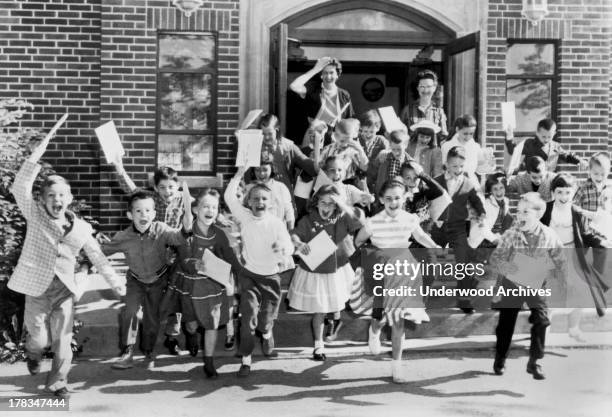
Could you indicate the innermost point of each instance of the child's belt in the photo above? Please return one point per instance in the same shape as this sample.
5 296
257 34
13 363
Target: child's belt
158 274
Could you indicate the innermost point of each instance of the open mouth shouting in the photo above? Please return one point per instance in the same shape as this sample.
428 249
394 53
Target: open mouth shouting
56 209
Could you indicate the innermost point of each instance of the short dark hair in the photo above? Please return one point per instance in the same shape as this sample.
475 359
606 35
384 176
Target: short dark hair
140 195
370 119
327 189
427 75
563 180
335 62
398 136
463 121
207 191
164 173
426 132
456 152
392 183
52 180
494 179
535 164
546 124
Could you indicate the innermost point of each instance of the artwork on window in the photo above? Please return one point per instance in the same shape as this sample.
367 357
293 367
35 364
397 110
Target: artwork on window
530 82
185 152
180 52
533 101
185 101
530 59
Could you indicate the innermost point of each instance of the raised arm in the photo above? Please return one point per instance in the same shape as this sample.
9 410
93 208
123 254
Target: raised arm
187 213
298 85
24 180
235 206
125 182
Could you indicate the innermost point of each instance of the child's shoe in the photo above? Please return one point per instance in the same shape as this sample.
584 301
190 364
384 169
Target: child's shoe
33 366
126 361
397 372
149 359
192 343
172 345
374 341
319 355
267 345
230 342
209 368
333 329
244 371
576 334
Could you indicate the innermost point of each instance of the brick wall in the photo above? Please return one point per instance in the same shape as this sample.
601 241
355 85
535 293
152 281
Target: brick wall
584 90
50 56
128 83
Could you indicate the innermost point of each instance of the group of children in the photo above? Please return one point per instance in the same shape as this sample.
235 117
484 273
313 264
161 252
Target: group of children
378 190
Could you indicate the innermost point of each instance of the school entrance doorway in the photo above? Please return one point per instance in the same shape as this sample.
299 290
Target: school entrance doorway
382 46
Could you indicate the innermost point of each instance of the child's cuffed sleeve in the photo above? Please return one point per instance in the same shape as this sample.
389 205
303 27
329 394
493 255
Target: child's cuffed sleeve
22 187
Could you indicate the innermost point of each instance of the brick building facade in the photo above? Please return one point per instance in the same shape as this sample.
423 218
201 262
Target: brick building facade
98 61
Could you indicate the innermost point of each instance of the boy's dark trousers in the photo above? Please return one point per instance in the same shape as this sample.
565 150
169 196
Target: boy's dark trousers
259 303
149 296
455 234
509 308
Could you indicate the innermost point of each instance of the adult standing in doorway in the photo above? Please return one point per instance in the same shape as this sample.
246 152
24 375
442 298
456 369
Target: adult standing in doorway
324 101
425 108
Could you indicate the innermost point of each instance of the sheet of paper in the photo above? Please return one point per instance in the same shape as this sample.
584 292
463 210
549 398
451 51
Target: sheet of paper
602 223
486 161
438 205
390 119
515 160
249 148
303 189
57 125
250 118
321 248
216 269
508 114
532 272
110 142
321 180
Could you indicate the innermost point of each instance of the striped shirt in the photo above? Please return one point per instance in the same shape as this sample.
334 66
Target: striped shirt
392 232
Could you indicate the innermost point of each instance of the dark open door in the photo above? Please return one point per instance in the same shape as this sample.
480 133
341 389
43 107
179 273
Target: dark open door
461 77
278 73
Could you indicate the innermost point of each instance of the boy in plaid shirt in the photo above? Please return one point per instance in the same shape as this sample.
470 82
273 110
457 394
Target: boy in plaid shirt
588 197
531 238
144 244
45 271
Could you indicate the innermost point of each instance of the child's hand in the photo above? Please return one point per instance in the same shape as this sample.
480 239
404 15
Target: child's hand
302 247
509 133
583 165
102 238
119 291
200 266
341 204
38 152
117 161
224 221
606 243
186 196
278 249
418 169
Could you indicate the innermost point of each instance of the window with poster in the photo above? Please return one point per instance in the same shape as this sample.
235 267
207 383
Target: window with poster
531 81
186 101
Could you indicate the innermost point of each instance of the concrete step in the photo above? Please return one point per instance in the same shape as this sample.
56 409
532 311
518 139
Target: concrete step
99 311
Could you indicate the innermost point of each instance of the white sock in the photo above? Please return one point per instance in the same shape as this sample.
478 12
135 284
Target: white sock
246 360
319 344
372 332
267 335
396 367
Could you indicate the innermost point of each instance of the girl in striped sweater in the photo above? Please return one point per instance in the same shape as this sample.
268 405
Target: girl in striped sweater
391 229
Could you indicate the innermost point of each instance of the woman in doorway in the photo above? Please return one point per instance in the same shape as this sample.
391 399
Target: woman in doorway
425 108
324 101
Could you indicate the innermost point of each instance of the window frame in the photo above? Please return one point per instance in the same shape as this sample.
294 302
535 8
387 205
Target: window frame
554 77
212 122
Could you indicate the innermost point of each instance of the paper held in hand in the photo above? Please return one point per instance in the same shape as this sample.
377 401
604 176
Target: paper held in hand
321 247
602 223
438 205
250 118
110 142
531 272
321 180
249 148
486 161
508 114
390 120
216 269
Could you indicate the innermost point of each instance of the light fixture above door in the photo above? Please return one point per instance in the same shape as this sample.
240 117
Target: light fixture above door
187 6
534 10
